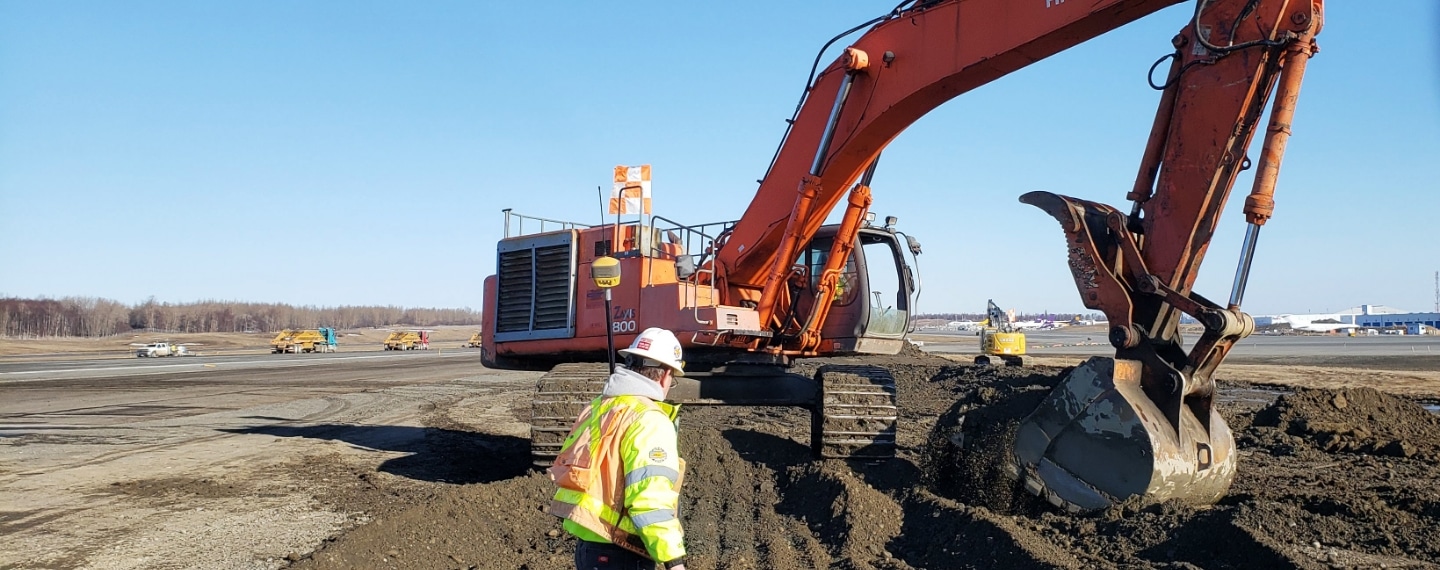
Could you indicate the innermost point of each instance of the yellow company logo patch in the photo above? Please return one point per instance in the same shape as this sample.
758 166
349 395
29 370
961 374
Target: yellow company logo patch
658 455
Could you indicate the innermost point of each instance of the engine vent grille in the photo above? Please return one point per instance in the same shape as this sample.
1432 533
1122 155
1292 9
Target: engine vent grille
553 287
536 287
517 281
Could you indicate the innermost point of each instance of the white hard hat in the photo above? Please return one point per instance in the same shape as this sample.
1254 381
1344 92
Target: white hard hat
658 345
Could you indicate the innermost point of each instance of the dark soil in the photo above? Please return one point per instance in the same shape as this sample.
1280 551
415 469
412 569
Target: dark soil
1358 420
1320 485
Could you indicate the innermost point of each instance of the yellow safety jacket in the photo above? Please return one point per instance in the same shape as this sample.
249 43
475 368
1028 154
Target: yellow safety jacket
619 473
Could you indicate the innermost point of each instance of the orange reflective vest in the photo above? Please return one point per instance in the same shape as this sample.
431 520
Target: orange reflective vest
619 473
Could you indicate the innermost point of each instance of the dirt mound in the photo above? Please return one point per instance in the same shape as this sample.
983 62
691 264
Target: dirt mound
501 525
755 498
1356 420
966 454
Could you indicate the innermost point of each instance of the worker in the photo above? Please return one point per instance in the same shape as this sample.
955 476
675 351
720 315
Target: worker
619 470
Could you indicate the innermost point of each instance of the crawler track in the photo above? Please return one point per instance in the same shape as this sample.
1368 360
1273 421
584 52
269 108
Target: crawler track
856 415
560 396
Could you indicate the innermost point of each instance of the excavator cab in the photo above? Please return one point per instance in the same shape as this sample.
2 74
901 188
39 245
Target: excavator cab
870 307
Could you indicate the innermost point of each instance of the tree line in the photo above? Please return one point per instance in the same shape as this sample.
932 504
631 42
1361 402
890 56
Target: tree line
93 317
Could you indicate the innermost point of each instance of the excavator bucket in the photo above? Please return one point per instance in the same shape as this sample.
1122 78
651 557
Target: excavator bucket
1098 440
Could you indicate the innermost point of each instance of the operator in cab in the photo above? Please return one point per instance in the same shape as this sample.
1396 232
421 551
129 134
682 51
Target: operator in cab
619 471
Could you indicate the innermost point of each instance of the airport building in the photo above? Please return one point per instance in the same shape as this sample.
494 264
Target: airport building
1411 321
1344 317
1363 316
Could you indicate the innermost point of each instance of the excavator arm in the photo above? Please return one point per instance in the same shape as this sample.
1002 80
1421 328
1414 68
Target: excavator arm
1149 413
1143 423
996 317
914 59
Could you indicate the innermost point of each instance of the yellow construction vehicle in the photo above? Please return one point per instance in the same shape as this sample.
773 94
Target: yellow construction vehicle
305 340
475 341
1000 340
408 340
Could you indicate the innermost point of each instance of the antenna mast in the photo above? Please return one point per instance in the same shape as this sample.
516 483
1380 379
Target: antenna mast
1437 291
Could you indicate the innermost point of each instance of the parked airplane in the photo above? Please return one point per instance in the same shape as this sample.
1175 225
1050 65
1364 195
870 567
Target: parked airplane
1323 327
1313 323
965 326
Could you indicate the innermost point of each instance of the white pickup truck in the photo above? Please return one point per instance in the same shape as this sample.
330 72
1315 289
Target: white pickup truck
159 349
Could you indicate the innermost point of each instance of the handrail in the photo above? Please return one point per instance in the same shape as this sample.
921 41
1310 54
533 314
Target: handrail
696 237
695 229
520 226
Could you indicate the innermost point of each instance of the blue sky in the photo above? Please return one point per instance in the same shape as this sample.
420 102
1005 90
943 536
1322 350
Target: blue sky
359 153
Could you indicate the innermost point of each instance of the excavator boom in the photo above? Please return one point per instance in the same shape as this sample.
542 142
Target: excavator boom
915 59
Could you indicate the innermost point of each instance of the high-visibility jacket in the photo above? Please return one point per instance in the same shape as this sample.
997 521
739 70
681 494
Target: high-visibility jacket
619 473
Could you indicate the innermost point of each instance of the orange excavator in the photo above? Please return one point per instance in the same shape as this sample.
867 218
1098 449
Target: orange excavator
748 297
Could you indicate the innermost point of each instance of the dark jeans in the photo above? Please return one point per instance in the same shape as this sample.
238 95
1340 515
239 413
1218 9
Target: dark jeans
603 556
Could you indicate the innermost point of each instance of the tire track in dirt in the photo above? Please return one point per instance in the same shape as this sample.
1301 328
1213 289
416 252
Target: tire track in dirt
198 494
733 523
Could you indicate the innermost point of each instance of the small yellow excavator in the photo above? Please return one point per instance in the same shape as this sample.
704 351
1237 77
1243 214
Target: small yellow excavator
1000 340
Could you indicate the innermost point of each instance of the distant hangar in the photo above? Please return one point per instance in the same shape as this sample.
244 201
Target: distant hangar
1363 316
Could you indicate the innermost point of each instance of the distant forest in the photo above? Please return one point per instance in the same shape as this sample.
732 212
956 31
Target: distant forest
91 317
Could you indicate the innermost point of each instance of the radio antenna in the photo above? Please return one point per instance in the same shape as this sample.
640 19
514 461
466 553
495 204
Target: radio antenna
601 195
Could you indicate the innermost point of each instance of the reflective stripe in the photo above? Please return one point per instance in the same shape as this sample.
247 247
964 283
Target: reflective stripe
643 520
649 471
583 525
589 503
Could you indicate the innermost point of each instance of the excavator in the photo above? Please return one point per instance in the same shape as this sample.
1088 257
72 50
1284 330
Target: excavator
1000 339
749 297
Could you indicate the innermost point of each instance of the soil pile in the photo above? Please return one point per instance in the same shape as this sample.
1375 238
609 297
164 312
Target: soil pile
1356 420
755 498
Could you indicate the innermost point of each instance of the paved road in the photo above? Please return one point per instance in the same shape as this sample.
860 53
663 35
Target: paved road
1422 352
1093 342
30 370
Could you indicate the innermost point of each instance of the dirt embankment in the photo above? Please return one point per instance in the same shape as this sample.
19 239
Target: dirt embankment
1320 484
